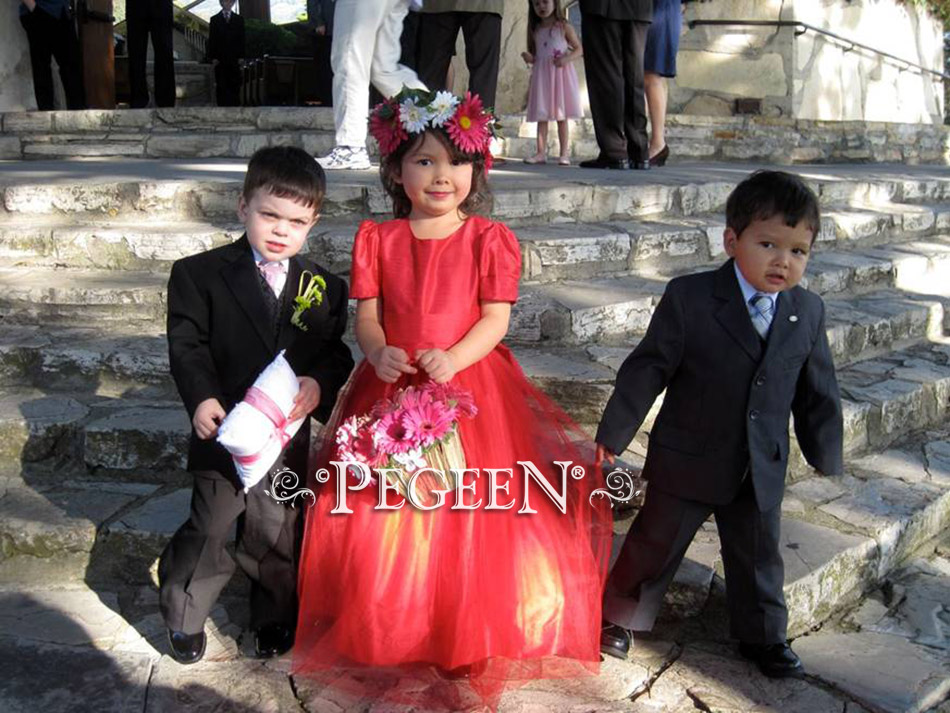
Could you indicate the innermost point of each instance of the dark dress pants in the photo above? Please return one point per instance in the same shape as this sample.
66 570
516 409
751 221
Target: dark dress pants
657 542
51 37
613 62
151 18
227 84
482 32
196 565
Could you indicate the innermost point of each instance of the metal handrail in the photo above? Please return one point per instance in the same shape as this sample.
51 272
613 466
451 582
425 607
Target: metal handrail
805 27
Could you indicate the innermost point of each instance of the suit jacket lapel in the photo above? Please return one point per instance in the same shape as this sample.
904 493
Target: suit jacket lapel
784 323
241 277
287 331
733 314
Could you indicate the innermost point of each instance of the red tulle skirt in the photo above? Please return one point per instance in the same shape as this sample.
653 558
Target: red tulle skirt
445 609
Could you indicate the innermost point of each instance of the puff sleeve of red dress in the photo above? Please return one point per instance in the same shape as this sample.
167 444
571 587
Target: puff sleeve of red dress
364 271
499 265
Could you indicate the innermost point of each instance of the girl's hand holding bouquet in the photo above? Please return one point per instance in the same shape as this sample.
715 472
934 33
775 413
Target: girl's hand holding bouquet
391 363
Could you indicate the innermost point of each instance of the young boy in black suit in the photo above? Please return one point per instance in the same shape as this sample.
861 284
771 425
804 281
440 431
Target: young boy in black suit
229 314
226 50
737 349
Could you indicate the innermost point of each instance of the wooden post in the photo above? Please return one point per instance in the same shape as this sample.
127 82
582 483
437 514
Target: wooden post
256 9
95 22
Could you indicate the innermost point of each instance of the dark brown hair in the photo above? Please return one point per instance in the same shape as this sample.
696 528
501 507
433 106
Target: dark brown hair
765 194
479 199
286 172
534 21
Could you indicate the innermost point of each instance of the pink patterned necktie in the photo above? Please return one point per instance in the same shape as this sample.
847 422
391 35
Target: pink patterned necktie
272 272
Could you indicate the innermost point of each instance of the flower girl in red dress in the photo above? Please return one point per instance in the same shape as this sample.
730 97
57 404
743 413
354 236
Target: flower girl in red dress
447 607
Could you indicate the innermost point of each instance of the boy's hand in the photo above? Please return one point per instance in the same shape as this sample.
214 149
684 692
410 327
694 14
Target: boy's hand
601 455
207 418
438 365
391 363
307 399
527 57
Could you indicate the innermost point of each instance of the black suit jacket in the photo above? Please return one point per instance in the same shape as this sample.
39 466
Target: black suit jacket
220 338
639 10
728 394
226 39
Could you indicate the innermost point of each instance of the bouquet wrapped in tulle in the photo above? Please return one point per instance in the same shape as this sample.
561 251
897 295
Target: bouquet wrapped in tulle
416 428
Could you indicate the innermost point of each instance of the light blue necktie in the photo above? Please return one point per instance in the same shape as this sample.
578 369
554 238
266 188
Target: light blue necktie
761 309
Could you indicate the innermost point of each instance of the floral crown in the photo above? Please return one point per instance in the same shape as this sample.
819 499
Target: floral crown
413 111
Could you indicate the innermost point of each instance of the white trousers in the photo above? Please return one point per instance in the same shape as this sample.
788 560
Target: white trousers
365 49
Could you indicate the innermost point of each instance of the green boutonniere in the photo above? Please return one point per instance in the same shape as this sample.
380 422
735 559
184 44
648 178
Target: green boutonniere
310 290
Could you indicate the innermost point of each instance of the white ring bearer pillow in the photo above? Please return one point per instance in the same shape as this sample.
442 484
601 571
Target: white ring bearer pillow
257 430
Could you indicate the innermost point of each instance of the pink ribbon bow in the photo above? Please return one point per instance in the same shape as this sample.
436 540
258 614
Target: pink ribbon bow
266 405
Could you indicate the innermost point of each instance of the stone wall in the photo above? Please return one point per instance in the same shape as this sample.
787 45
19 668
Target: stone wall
809 76
16 77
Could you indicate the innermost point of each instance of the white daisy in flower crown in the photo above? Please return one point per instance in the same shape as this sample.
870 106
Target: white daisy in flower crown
468 125
443 107
414 116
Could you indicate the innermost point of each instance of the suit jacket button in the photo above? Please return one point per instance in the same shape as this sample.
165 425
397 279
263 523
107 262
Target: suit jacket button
753 415
759 380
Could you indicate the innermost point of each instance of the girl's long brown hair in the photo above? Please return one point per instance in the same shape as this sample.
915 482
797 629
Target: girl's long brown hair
479 199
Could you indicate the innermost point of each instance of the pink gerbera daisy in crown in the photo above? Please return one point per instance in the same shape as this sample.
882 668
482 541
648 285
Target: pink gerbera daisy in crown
469 127
386 127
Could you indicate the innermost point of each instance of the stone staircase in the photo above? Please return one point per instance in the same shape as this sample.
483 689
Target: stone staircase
92 436
190 130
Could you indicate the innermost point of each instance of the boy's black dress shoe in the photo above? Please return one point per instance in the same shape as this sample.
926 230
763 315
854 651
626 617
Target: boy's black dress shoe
640 165
273 640
615 640
774 660
187 648
618 164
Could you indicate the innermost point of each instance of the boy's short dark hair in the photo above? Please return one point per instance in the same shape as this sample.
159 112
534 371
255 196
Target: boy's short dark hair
286 172
766 194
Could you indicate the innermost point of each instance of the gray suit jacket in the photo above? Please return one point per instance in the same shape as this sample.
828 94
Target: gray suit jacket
640 10
728 394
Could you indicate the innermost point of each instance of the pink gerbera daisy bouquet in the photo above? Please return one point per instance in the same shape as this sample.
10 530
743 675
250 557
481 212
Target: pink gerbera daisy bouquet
469 125
416 428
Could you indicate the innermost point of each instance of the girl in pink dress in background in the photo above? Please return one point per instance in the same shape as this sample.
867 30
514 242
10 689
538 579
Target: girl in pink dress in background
553 94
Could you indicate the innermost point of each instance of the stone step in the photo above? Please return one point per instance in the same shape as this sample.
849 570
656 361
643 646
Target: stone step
192 131
608 310
776 140
87 360
80 296
89 433
608 307
549 253
157 191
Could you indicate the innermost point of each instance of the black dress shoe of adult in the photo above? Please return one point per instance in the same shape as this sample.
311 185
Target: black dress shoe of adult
618 164
187 648
660 158
640 165
615 640
774 660
273 640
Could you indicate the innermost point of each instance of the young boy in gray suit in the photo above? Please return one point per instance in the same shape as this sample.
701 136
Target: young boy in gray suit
737 350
